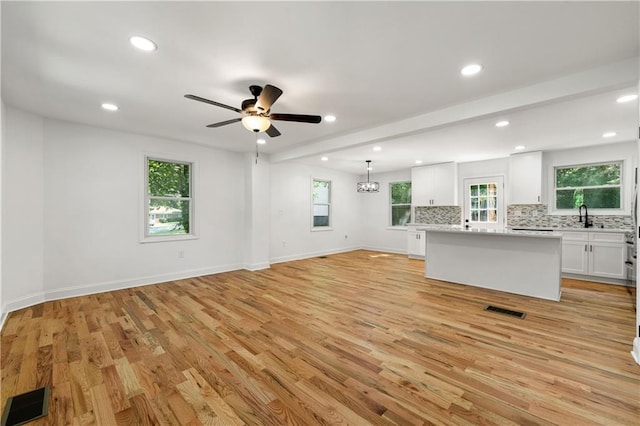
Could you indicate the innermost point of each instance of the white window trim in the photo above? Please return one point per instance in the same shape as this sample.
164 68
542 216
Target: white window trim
625 208
144 199
322 228
390 218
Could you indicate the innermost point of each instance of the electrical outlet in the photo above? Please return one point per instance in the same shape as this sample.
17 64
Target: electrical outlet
346 236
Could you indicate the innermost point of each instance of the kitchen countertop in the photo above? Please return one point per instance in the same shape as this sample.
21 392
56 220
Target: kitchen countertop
427 226
492 232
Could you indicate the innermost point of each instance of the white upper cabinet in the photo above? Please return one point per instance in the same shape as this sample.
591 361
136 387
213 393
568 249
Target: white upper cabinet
434 185
525 178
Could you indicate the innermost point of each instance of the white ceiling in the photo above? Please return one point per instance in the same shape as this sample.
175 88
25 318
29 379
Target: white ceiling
389 71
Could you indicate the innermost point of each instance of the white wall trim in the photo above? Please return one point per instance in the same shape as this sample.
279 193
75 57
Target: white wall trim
257 266
308 255
84 290
635 353
384 249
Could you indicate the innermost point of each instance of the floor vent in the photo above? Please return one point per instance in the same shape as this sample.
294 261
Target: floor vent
23 408
505 311
322 257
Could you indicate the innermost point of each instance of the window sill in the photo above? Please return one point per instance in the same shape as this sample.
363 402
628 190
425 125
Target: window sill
321 229
397 228
592 212
163 238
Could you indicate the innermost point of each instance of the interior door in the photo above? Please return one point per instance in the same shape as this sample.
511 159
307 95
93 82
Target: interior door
484 202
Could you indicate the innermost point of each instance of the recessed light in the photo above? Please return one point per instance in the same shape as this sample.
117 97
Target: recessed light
325 159
418 161
261 141
143 43
608 134
329 118
503 123
109 107
377 148
519 147
627 98
471 69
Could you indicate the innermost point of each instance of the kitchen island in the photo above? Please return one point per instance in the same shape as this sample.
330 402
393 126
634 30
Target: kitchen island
520 262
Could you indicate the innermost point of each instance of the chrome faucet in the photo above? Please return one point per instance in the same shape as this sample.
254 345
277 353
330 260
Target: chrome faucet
586 215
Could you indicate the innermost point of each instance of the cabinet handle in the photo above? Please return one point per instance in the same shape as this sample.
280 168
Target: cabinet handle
591 248
538 198
585 247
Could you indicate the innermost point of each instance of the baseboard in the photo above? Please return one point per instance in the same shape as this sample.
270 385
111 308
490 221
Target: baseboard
290 258
20 303
635 353
595 279
384 249
257 266
84 290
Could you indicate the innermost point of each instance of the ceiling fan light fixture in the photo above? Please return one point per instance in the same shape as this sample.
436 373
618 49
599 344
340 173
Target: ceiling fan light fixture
256 123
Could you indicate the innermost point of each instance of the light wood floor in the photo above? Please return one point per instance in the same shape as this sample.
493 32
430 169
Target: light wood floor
356 338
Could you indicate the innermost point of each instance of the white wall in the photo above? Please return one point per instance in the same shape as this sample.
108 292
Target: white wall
73 211
376 211
22 202
291 236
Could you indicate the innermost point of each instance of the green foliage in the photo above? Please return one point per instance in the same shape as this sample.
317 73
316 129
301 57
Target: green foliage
596 185
321 190
401 193
168 179
171 179
593 175
400 203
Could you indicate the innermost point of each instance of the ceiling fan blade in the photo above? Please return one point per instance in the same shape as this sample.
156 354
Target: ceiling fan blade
302 118
268 96
224 123
273 132
207 101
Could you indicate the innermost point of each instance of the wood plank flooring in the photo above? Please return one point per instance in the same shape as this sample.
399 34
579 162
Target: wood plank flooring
357 338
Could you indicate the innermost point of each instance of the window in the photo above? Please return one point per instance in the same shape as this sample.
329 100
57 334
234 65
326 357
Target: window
483 203
321 204
169 201
400 200
596 185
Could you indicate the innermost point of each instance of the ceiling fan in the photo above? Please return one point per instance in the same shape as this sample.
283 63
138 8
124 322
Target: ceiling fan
256 112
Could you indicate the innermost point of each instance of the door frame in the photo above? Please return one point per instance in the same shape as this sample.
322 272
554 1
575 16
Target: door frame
501 210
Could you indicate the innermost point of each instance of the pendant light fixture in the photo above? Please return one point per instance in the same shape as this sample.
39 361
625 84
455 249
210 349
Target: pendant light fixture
368 186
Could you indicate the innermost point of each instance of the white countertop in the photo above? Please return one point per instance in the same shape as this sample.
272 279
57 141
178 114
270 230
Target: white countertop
490 232
426 226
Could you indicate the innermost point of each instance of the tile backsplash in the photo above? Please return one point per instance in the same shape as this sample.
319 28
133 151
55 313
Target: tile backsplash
438 215
535 215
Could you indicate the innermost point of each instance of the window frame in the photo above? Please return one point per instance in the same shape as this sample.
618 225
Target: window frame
622 210
145 236
329 226
391 205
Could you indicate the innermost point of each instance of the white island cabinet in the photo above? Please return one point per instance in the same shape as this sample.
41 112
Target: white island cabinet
415 242
520 262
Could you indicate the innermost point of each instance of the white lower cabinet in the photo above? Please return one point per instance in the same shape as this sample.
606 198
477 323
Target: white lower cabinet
416 245
599 254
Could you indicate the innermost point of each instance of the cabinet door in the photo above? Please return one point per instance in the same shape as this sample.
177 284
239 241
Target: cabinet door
525 178
420 195
575 257
416 243
607 260
443 184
